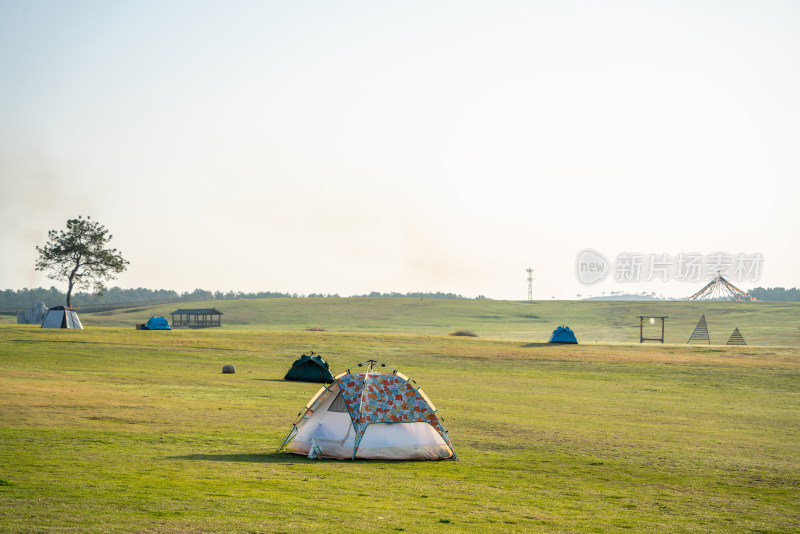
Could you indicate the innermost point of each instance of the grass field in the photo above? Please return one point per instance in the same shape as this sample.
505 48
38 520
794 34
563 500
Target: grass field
770 323
116 430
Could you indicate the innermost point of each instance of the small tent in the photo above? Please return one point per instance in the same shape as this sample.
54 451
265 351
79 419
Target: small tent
563 334
157 323
310 368
370 414
61 317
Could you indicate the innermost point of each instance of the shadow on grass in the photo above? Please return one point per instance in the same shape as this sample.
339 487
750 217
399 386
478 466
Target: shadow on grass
278 458
258 458
47 333
537 345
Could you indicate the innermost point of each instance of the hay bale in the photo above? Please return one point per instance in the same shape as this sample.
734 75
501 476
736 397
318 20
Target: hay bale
228 369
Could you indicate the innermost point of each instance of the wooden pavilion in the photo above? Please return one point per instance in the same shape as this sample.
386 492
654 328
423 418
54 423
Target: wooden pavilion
197 318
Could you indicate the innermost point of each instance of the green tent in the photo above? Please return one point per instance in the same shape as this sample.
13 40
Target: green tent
310 368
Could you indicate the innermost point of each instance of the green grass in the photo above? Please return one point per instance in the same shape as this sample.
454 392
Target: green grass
770 323
117 430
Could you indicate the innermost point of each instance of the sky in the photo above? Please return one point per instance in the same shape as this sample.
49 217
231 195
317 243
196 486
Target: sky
349 147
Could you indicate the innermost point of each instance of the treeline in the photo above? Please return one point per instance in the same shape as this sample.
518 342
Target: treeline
437 295
24 298
777 294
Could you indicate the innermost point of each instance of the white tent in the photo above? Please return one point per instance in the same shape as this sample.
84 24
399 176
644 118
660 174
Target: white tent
61 317
370 415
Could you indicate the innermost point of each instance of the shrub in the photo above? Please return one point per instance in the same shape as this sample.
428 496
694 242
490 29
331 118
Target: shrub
464 333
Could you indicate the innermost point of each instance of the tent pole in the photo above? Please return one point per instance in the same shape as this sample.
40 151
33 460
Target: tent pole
289 436
361 403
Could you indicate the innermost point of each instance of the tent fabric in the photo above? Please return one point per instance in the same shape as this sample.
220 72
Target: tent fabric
62 317
157 323
563 334
371 415
53 319
385 398
310 368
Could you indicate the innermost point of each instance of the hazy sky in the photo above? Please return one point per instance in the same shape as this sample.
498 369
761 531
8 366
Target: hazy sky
348 147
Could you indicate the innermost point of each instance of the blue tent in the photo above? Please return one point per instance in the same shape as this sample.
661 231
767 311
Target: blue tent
563 334
157 323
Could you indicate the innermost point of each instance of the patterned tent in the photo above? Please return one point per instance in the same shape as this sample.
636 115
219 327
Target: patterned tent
376 414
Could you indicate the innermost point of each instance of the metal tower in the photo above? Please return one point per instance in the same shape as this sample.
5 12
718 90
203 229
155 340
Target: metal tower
530 283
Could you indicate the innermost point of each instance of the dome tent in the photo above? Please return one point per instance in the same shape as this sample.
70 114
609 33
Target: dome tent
370 414
310 368
563 334
157 323
62 317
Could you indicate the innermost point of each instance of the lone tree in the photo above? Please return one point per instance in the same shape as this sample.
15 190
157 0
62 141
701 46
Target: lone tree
79 256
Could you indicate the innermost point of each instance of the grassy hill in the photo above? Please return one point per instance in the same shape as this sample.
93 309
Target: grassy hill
116 430
770 323
110 429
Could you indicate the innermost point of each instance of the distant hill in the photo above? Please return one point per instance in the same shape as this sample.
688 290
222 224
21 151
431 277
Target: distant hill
627 297
770 294
771 323
12 300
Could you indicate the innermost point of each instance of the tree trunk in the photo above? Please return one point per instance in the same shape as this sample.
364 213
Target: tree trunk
69 293
71 281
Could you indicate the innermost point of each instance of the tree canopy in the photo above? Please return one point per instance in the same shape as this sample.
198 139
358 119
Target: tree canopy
79 256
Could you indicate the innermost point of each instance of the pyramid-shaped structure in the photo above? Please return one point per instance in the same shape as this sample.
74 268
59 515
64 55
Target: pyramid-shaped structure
736 338
700 334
